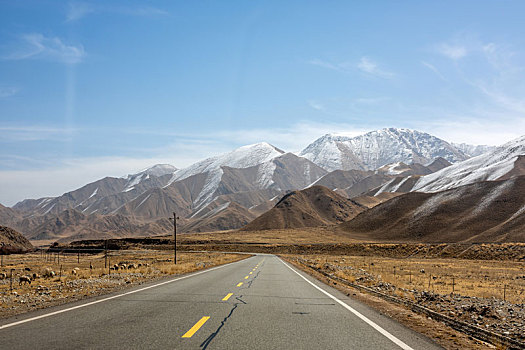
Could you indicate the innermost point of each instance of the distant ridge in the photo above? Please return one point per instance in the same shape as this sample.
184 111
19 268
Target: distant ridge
314 206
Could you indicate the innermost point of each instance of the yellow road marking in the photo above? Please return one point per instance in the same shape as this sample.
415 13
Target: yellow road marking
196 327
227 297
246 277
240 284
251 272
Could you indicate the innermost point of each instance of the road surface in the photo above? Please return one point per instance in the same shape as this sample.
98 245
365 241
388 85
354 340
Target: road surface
257 303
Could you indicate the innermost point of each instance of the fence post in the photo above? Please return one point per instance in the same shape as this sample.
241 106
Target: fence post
11 281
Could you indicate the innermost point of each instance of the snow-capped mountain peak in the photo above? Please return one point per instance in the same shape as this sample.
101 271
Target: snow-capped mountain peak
378 148
242 157
156 170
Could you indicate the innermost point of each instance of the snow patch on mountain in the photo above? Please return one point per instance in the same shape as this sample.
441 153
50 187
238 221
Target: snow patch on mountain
486 167
94 193
144 200
489 198
391 168
265 174
216 210
473 150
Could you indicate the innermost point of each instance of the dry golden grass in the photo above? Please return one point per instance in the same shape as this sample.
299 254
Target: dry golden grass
324 234
91 277
474 278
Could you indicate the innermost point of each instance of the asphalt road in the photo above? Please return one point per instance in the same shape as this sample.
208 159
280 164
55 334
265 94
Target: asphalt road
257 303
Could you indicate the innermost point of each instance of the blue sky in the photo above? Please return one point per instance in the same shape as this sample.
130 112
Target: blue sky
89 89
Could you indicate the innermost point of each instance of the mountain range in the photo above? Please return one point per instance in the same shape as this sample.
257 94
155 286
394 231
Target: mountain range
230 190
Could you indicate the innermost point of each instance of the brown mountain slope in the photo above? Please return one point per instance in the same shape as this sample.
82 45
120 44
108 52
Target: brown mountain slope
73 225
491 211
225 216
372 201
8 216
314 206
13 242
342 178
438 164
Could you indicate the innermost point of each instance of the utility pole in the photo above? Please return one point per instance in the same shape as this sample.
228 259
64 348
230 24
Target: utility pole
174 219
106 253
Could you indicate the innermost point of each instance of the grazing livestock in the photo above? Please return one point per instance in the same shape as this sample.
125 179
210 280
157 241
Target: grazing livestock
49 273
24 279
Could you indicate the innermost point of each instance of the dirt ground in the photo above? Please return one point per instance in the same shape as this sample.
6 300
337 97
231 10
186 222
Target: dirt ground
73 277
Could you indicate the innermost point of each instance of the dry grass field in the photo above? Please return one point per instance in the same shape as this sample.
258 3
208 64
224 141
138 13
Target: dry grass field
308 235
81 276
483 279
487 294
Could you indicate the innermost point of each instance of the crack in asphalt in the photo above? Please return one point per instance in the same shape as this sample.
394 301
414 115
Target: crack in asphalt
208 340
204 345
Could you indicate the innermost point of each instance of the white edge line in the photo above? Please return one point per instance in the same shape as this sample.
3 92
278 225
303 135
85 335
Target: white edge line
113 297
355 312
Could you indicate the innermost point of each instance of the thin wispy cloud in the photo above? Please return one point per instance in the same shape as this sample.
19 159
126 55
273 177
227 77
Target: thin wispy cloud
39 46
315 105
370 100
6 92
34 133
364 65
454 52
502 99
77 10
434 69
341 67
370 67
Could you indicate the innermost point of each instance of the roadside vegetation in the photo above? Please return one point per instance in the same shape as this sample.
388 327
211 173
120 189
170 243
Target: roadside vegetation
484 293
58 279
